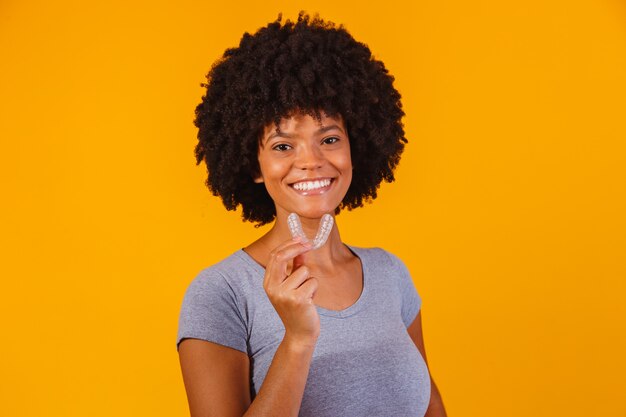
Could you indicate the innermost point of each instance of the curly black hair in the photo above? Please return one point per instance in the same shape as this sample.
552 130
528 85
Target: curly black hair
309 66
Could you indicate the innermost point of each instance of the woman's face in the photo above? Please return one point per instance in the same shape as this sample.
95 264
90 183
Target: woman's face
306 167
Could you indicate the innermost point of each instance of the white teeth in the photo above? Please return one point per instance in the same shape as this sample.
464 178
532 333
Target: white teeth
311 185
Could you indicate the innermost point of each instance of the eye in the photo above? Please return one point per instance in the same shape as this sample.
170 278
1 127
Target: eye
281 147
330 140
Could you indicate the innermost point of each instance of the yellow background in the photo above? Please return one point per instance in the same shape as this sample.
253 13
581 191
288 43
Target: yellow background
509 205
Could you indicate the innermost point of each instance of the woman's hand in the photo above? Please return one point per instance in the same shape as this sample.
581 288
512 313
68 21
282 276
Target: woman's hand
292 295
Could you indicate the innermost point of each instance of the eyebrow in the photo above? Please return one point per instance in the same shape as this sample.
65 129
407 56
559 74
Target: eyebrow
290 136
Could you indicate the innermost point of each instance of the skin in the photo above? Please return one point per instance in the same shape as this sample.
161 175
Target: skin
297 278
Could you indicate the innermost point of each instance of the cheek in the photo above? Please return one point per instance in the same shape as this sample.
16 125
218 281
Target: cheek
273 172
345 166
346 162
348 168
348 175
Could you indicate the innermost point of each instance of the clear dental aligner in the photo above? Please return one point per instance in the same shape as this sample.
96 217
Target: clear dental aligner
296 227
326 225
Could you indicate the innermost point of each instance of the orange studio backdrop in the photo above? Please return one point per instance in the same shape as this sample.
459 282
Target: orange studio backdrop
508 208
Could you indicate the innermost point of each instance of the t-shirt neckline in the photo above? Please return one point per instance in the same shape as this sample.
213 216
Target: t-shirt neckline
346 312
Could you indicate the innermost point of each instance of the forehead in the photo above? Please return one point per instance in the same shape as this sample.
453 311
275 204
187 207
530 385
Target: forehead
302 121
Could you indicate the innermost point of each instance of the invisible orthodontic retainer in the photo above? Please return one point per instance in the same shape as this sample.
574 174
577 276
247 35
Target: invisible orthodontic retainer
326 225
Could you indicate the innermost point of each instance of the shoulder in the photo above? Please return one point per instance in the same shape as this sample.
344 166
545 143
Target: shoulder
381 263
229 274
379 257
214 306
218 290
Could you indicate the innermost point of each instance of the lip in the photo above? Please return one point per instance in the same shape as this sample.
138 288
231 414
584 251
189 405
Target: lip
311 179
316 191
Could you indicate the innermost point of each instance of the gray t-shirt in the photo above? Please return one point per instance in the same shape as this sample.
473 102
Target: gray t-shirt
364 363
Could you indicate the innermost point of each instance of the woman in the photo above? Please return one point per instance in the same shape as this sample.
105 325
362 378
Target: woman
300 118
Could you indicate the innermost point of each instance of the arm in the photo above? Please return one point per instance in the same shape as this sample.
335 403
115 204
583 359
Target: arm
217 379
435 408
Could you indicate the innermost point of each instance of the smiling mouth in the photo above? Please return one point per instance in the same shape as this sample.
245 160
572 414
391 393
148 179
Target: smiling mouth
312 187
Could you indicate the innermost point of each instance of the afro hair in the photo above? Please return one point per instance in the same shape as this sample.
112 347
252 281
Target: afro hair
310 66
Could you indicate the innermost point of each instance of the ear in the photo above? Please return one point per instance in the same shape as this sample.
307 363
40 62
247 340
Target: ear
258 179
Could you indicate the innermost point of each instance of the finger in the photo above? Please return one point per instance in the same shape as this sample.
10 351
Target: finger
298 261
308 288
276 270
287 243
279 258
296 278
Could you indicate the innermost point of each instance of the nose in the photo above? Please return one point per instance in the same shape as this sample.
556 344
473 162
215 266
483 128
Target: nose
309 157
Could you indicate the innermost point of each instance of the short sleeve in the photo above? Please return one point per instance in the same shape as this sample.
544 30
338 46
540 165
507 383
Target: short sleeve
411 300
209 312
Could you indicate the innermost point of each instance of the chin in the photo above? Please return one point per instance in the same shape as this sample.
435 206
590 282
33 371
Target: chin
314 213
